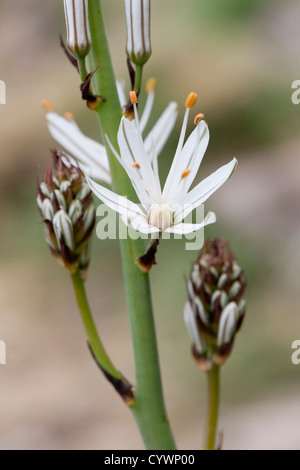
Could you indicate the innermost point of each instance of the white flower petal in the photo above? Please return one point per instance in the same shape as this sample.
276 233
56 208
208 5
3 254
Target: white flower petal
147 110
191 156
176 159
159 134
132 150
88 152
121 92
140 224
185 229
117 203
204 189
193 153
142 189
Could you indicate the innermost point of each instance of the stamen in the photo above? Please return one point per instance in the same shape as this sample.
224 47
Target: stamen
191 100
150 85
133 97
135 165
48 106
185 173
198 118
69 116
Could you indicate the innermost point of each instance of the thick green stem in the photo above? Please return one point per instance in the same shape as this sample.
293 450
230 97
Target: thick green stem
90 327
213 377
149 409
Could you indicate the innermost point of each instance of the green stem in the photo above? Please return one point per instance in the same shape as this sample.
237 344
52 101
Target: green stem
82 69
149 409
90 327
213 377
138 78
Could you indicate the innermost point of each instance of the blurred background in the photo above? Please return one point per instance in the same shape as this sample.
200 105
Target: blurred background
241 58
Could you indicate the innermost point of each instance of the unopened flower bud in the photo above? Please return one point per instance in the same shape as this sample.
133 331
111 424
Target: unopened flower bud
47 209
215 290
138 46
199 347
63 229
66 206
191 324
228 324
75 210
77 24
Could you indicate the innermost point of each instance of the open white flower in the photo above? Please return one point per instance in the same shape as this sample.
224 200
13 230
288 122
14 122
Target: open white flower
91 155
163 210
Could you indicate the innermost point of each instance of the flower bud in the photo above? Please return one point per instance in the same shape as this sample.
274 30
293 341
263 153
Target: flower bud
66 206
228 324
77 24
199 347
138 46
63 229
215 290
191 324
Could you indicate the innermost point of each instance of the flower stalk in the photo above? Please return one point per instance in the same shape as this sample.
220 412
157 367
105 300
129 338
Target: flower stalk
121 385
149 409
213 381
214 315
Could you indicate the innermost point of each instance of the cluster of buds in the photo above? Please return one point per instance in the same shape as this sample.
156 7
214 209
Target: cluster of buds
138 46
215 310
77 24
66 206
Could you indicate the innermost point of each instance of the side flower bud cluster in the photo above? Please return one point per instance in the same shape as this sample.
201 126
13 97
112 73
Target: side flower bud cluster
67 209
215 310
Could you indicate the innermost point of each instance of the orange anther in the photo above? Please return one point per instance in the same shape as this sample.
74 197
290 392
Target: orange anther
191 100
185 173
133 97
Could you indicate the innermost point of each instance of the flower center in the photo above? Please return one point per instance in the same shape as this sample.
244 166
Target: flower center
160 215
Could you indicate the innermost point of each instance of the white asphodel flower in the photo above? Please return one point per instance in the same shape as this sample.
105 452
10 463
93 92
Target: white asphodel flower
91 155
163 210
77 25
